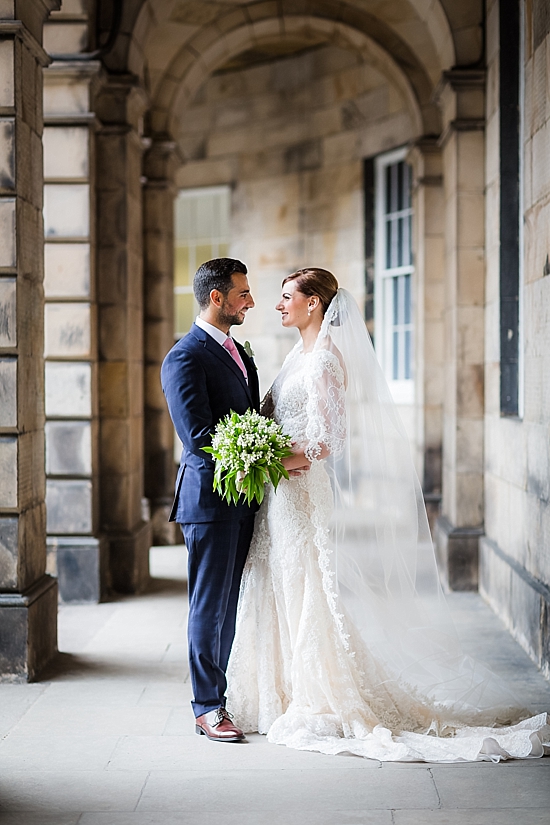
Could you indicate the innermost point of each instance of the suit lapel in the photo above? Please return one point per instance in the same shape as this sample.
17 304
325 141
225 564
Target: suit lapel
252 374
221 353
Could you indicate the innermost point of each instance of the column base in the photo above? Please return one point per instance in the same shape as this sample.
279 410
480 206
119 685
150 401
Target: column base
164 532
457 551
81 566
129 559
28 631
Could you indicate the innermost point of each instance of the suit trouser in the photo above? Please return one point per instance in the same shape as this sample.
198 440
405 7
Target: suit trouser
217 554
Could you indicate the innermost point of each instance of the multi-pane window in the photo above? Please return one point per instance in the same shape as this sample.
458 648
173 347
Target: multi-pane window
394 268
201 233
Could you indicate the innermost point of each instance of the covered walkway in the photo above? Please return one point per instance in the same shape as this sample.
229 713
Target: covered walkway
108 738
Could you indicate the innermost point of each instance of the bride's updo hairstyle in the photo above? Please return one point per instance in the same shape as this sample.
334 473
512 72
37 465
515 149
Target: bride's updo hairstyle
314 281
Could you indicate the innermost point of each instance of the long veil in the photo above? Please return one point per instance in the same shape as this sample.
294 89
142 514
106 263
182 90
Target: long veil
384 559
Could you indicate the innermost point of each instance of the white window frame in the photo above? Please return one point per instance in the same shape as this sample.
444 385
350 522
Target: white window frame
402 390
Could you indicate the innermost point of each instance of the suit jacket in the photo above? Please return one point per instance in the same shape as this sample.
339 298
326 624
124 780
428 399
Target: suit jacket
202 383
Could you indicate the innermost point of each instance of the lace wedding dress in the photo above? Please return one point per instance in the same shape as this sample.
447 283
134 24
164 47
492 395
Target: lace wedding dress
300 669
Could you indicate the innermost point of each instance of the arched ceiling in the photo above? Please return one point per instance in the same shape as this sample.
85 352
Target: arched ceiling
186 73
173 45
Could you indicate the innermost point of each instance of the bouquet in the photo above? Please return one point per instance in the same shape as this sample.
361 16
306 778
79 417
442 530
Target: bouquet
247 451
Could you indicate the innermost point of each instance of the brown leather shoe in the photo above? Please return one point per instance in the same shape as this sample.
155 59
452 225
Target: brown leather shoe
217 726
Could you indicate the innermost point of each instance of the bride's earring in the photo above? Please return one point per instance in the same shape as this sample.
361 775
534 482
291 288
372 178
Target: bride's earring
309 310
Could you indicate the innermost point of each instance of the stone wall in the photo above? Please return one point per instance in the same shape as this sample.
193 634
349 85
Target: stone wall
28 597
515 564
290 137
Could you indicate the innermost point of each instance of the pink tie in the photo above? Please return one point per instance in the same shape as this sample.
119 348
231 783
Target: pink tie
229 345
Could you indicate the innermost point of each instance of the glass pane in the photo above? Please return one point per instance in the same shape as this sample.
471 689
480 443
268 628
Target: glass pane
407 354
395 372
181 266
400 175
225 211
207 217
400 239
407 302
387 205
203 252
184 310
395 302
407 253
183 219
407 186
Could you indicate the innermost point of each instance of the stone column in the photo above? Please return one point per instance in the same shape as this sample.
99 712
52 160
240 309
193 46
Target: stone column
158 242
119 107
429 258
28 597
76 551
461 97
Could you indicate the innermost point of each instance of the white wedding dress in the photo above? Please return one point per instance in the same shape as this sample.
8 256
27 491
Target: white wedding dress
300 670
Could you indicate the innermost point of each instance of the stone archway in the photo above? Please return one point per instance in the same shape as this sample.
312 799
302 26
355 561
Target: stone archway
255 25
187 73
424 38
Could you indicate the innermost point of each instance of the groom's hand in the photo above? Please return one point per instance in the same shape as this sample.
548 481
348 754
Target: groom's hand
296 464
297 471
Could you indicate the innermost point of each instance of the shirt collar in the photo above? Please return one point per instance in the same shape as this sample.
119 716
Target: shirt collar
213 331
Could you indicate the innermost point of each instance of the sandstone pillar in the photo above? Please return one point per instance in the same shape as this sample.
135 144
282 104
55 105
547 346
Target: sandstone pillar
429 257
158 242
76 550
119 107
461 524
28 597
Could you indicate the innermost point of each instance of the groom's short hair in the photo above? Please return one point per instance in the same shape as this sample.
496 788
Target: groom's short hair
215 274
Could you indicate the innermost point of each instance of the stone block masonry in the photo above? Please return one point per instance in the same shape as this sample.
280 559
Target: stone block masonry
120 289
76 548
28 597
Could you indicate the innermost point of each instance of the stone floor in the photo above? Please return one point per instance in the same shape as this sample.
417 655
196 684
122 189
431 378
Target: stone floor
108 738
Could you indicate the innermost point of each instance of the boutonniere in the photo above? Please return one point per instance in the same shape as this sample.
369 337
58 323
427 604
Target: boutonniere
248 349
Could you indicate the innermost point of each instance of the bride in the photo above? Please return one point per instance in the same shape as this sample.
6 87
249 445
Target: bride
344 642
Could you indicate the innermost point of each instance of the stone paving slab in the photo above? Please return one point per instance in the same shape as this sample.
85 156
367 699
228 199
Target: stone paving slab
42 818
242 817
186 753
280 791
503 786
70 791
90 719
107 738
57 753
15 702
495 816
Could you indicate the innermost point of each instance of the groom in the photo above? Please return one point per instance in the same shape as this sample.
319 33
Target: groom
204 376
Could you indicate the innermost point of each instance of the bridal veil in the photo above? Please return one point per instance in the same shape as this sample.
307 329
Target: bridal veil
383 556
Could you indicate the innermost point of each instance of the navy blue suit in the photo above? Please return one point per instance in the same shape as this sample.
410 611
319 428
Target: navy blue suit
202 383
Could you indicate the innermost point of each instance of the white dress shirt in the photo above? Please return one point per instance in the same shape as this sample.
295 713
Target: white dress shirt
215 333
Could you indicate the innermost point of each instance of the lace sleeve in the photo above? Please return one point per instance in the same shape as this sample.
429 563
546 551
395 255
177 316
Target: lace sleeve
326 406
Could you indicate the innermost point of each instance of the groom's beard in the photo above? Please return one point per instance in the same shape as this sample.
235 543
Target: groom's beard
228 319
